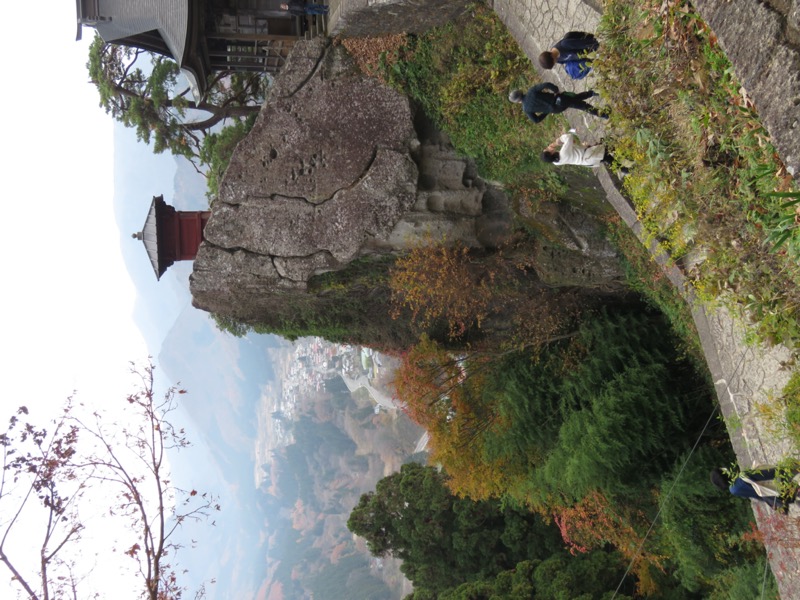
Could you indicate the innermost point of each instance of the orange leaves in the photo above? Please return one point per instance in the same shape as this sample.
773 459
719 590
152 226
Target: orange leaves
444 393
594 522
440 282
434 384
587 525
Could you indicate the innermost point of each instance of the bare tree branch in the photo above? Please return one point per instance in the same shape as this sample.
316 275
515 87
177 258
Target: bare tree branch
43 471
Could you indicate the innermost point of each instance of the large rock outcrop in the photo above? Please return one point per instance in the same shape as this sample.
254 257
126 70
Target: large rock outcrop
338 174
332 171
372 18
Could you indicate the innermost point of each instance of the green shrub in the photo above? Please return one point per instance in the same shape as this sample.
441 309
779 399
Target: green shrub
698 521
746 582
461 74
217 149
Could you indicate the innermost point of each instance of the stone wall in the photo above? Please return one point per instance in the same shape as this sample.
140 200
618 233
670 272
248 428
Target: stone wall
762 40
370 18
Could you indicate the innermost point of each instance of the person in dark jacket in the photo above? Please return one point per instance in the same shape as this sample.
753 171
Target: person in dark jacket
545 99
298 8
573 51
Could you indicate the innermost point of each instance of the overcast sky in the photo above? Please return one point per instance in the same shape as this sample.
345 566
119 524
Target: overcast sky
68 299
80 299
67 303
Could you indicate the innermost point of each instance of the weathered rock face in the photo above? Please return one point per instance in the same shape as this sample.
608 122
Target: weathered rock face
333 171
762 40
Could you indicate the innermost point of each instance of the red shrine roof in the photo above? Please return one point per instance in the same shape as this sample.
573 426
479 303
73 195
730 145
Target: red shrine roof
149 236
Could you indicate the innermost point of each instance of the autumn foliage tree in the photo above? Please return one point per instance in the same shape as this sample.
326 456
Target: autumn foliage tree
433 383
479 295
594 521
440 281
443 391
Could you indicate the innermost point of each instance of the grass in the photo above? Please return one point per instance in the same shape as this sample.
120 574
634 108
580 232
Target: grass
705 180
791 398
782 414
460 75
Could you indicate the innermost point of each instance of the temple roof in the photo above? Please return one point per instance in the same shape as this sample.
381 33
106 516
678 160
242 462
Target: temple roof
149 236
119 19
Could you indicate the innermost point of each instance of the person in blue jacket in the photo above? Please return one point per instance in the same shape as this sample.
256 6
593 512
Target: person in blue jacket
574 52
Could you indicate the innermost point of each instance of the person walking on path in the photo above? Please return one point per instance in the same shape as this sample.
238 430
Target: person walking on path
298 8
765 483
545 98
568 150
573 52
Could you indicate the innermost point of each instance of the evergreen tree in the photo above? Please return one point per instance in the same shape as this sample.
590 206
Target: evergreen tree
152 98
592 576
606 410
698 522
444 540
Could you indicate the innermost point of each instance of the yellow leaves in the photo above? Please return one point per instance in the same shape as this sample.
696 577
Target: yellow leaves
470 474
439 281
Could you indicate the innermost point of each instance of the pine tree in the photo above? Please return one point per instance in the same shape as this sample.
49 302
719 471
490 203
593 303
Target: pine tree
605 410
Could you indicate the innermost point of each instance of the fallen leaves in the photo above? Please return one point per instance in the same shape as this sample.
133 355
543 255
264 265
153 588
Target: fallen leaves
367 51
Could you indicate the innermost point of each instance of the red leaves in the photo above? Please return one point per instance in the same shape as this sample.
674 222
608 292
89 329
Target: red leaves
594 521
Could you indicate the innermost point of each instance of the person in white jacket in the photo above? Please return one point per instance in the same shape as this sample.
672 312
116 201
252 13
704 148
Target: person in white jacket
572 152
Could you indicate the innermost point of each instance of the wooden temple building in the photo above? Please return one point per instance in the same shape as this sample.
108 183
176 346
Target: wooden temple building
169 235
202 36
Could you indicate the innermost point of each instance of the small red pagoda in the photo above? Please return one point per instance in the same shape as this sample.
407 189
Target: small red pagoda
169 235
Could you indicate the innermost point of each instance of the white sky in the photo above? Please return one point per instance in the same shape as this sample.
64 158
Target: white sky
67 299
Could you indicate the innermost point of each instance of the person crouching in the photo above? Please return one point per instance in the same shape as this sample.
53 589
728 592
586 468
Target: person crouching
568 150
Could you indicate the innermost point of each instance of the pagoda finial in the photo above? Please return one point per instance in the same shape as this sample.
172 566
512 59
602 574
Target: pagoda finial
137 236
